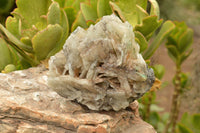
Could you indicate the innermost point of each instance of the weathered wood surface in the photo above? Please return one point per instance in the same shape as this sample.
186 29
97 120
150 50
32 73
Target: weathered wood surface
27 105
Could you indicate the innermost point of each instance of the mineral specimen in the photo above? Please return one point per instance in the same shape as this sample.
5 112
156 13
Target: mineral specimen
101 67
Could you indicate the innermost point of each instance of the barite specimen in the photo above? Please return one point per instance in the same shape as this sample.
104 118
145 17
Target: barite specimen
101 67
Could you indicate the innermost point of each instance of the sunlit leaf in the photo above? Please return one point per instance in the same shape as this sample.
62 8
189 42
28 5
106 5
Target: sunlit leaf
88 12
16 41
13 25
154 8
26 40
65 27
167 27
128 10
45 40
141 40
148 26
53 15
32 11
9 68
5 55
103 8
142 3
80 21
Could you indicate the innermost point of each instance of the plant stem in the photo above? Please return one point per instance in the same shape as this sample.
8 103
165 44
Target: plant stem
175 102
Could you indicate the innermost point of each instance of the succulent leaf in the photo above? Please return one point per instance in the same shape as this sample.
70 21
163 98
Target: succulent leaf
141 40
16 41
53 15
65 26
142 3
185 55
183 129
32 11
89 13
159 71
166 29
26 40
71 15
185 40
45 40
172 51
9 68
4 54
154 8
13 25
103 8
80 21
148 26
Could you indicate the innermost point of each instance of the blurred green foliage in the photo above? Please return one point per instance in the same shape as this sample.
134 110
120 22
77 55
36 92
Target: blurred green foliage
38 29
189 123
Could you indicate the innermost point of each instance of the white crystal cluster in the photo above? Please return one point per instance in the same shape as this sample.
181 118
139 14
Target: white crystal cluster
101 67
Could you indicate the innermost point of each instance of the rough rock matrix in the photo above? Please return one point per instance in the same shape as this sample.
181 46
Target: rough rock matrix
101 67
27 105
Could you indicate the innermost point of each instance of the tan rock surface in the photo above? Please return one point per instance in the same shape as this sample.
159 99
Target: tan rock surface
27 105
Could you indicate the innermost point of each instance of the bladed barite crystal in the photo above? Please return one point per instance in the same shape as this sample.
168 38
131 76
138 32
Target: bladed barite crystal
101 67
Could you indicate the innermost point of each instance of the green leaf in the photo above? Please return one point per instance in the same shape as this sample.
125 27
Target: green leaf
61 3
103 8
167 27
184 80
53 15
141 14
16 41
9 68
45 40
76 4
196 121
148 26
141 40
117 11
183 129
173 51
5 55
185 40
80 21
13 25
26 40
185 55
128 11
65 26
88 12
159 71
156 108
154 118
70 11
89 22
31 12
93 4
154 8
142 3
